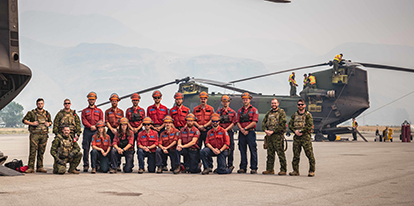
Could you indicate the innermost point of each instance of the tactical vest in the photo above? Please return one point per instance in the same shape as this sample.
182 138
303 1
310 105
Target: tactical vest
68 119
272 120
224 118
65 148
244 117
42 119
135 117
299 121
123 142
187 136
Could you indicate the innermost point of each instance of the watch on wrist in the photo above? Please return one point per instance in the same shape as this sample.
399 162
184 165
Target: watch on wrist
300 131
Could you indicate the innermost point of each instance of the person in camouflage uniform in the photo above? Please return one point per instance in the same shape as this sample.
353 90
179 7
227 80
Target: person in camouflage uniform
274 125
65 150
68 117
301 123
38 120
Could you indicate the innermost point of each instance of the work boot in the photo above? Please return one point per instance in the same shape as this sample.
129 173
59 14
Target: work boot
241 171
294 173
119 168
73 171
231 168
267 172
165 168
215 171
140 171
206 171
177 170
311 174
282 173
253 171
187 170
93 171
112 171
30 170
160 169
41 170
85 169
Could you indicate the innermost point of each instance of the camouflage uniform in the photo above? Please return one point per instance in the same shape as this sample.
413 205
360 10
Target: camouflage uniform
66 150
303 122
67 118
38 136
276 122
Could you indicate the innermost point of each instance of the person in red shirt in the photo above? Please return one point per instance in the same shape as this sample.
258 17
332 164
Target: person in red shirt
147 142
157 112
246 119
227 122
90 116
179 111
123 145
113 115
166 146
101 146
135 115
203 113
187 145
217 143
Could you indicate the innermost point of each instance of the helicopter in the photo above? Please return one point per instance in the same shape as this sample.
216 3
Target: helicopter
14 76
336 98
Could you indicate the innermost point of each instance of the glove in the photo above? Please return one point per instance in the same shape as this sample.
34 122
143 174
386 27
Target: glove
60 161
71 155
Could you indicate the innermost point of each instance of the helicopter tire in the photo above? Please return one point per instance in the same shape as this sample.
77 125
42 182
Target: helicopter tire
319 137
331 137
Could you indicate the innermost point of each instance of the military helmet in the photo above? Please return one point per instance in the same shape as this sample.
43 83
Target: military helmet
100 123
92 95
190 116
225 98
147 120
178 95
168 118
215 117
123 120
135 96
246 95
114 96
203 95
156 93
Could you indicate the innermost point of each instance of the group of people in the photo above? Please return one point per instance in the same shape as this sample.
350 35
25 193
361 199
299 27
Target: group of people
159 133
308 81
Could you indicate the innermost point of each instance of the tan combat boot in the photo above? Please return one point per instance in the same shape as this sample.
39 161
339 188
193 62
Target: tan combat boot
93 171
267 172
294 173
73 172
41 170
30 170
282 173
311 174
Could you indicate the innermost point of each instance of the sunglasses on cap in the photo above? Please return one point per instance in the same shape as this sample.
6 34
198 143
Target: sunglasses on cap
301 104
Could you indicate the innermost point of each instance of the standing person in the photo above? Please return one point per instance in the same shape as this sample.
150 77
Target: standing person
227 121
217 143
203 113
337 60
135 115
246 119
157 112
113 115
147 142
179 111
90 117
101 146
274 125
39 122
312 81
354 129
123 145
65 150
166 147
305 81
187 145
301 123
293 85
67 116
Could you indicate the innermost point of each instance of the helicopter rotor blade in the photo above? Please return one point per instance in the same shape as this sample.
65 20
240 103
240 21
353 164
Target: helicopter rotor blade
210 81
150 89
379 66
222 85
278 72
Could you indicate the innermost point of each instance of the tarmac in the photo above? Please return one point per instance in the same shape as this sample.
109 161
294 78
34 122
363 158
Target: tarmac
347 173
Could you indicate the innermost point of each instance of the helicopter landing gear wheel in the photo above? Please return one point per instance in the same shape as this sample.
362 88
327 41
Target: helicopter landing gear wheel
331 137
319 137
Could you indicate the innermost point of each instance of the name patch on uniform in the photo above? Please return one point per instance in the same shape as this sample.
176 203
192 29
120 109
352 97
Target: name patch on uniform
184 132
152 136
162 110
220 133
165 135
110 112
151 110
211 134
144 136
97 111
98 140
106 140
173 110
87 111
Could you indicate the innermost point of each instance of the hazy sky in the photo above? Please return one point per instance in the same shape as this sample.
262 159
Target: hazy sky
319 25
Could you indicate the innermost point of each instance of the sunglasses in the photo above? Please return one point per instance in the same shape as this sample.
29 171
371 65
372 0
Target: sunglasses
215 121
146 124
135 100
157 97
301 104
67 103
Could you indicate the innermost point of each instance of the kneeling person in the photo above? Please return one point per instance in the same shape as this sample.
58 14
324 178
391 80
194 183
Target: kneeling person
147 142
101 146
187 145
65 150
166 146
123 146
217 142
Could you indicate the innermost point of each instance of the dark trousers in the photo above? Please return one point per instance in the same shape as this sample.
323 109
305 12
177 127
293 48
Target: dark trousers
116 160
207 154
86 145
244 141
230 157
103 160
191 159
111 135
150 160
202 138
161 157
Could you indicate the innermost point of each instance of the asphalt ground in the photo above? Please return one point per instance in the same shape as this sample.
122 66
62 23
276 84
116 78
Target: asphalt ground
347 173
